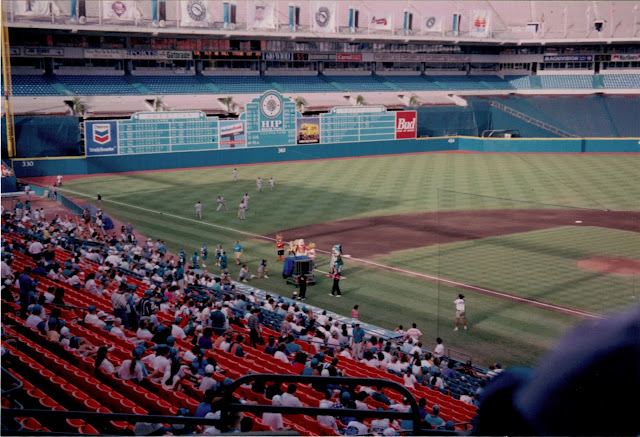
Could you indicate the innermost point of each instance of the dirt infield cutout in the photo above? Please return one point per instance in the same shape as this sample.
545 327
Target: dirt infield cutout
619 266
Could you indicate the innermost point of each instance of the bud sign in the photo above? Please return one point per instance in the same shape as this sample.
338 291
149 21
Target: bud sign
406 124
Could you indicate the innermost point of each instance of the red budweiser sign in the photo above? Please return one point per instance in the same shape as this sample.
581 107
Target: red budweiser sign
406 124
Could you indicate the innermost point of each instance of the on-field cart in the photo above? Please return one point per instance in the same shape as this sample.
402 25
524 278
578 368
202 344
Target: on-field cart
295 266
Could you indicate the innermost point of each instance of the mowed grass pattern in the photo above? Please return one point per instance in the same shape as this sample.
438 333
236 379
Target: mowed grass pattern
319 191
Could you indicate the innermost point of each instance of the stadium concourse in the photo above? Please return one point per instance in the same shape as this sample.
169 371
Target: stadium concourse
60 291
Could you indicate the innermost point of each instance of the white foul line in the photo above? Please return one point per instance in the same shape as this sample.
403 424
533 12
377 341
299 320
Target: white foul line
372 263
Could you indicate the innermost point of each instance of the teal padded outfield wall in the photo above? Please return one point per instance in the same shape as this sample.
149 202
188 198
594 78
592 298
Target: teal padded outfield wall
159 161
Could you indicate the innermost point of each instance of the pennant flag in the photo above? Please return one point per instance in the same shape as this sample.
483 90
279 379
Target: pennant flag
261 15
380 22
323 17
480 23
120 10
194 13
431 23
35 8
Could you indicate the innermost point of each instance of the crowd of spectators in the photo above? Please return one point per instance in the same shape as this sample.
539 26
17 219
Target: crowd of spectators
160 304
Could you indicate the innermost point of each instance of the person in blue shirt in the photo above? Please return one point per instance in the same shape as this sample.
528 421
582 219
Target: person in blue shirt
237 251
205 253
224 262
434 418
26 284
358 340
194 260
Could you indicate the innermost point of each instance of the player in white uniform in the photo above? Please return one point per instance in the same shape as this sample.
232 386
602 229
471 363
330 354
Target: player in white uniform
460 312
259 184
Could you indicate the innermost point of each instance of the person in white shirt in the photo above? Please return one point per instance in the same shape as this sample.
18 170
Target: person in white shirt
289 399
346 352
36 249
131 369
356 428
116 330
176 331
280 355
328 421
438 352
409 379
102 362
92 318
413 333
143 331
207 381
378 426
460 311
274 420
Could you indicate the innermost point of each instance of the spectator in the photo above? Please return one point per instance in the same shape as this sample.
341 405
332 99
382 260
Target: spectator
35 320
132 369
289 399
357 340
434 418
409 379
438 352
205 341
413 333
102 362
255 329
207 381
274 420
380 396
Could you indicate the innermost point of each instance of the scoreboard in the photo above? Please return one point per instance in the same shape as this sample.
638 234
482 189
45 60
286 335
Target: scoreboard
270 120
354 124
152 132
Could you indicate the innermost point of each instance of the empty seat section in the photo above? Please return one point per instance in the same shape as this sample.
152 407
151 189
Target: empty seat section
97 85
566 81
358 83
240 84
300 84
174 84
621 80
413 83
31 85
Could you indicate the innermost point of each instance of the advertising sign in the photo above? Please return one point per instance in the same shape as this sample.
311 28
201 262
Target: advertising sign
101 138
232 134
406 124
308 129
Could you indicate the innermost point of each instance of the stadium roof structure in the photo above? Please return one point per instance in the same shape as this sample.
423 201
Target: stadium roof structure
469 22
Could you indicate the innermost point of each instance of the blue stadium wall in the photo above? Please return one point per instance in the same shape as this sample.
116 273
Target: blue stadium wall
34 167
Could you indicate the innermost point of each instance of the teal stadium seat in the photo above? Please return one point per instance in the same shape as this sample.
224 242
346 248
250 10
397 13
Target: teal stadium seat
31 85
413 83
240 84
97 85
578 81
174 84
359 83
621 80
302 84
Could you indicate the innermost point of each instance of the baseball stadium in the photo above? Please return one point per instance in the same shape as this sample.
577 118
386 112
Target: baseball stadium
320 217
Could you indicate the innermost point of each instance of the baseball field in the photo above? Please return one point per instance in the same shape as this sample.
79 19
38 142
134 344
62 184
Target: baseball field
536 242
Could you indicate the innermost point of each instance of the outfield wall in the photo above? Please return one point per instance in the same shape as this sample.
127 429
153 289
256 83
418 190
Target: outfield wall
160 161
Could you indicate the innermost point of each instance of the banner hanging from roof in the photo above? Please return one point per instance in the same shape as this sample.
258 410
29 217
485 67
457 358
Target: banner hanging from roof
480 23
42 8
261 15
120 10
380 22
432 23
195 13
323 17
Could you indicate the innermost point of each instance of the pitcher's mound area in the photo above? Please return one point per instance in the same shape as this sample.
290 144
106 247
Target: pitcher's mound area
621 266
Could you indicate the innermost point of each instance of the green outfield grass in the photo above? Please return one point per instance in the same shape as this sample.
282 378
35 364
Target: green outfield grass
319 191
